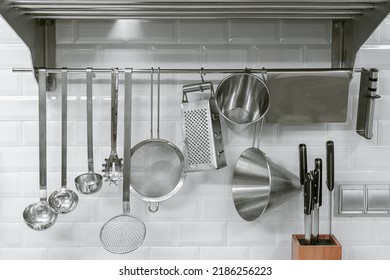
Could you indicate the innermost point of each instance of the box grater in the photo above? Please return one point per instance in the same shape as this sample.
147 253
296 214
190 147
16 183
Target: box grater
202 135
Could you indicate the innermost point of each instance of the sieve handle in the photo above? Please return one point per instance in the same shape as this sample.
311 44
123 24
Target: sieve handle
64 124
114 107
42 135
89 77
127 141
155 208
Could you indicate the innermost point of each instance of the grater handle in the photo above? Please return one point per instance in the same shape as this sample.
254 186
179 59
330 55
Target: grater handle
197 87
184 99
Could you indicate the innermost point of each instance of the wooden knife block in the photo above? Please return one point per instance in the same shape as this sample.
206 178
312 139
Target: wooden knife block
330 251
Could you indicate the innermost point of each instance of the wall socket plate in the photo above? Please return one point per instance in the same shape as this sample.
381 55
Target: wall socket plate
362 199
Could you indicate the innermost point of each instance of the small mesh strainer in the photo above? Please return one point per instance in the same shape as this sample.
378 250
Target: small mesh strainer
157 166
124 233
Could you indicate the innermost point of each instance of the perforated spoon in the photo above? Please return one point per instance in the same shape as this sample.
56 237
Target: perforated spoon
64 200
39 216
113 164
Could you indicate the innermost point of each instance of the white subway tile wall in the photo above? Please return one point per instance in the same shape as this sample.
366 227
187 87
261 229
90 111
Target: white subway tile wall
200 222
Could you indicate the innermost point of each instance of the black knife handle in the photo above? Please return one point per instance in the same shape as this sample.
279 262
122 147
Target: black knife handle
330 165
307 194
302 163
318 167
314 187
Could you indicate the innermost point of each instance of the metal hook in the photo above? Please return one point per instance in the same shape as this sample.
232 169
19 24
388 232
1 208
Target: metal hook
202 74
263 72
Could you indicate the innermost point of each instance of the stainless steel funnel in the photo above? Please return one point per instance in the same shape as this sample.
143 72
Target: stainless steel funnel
259 184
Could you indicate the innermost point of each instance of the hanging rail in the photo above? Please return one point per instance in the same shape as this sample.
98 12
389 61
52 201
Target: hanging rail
171 9
194 71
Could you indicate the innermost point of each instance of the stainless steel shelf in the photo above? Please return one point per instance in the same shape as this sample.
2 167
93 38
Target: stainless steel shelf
90 9
352 21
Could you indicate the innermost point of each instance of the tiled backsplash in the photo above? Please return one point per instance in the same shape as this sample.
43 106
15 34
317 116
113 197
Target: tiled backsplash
200 222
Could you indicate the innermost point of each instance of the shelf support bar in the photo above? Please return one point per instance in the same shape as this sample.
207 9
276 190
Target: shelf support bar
48 40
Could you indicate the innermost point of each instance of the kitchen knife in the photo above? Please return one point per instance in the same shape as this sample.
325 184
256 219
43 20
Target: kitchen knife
317 189
302 163
318 165
330 178
314 216
308 206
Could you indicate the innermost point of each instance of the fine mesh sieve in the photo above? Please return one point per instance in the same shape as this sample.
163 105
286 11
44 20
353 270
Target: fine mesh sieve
124 233
157 166
202 137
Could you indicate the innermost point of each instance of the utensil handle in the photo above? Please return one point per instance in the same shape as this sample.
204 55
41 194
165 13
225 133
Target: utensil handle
302 162
151 102
197 87
64 124
89 77
158 102
308 194
315 187
330 165
42 135
127 140
318 166
114 107
257 133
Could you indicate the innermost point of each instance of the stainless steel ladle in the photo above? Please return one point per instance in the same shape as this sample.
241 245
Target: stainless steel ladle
64 200
113 169
91 182
39 216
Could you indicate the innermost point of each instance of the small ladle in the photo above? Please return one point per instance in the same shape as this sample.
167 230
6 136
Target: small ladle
64 200
39 216
91 182
113 169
